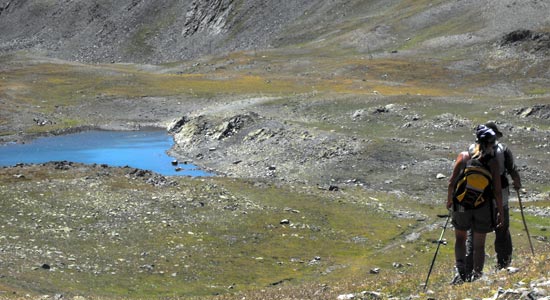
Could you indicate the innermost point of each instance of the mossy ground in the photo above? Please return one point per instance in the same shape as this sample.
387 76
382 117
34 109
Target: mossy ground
105 235
115 236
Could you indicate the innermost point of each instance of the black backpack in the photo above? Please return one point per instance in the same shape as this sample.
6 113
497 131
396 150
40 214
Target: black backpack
474 185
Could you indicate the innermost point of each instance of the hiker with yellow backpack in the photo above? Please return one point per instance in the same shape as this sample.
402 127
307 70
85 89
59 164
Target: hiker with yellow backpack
474 187
503 238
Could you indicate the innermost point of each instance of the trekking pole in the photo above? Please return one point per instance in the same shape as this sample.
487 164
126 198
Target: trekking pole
437 249
525 223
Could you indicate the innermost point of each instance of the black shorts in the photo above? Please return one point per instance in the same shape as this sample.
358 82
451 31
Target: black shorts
479 219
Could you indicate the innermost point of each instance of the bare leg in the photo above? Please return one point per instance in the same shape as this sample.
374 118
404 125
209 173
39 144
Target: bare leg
503 242
479 254
460 253
469 260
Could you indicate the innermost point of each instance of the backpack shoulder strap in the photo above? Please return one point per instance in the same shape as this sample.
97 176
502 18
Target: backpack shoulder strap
500 152
465 158
471 149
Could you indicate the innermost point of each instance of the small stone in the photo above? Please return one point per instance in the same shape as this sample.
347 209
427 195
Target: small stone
371 295
375 271
358 113
285 221
440 176
346 297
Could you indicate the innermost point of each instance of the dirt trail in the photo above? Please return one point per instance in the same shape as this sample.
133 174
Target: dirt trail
232 107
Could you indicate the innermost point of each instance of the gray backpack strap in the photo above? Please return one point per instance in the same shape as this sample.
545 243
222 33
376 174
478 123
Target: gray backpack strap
499 154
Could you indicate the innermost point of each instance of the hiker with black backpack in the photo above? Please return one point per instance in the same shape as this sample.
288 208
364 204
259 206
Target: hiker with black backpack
474 187
503 238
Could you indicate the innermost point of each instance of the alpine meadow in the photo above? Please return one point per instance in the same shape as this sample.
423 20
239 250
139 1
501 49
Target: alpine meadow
331 128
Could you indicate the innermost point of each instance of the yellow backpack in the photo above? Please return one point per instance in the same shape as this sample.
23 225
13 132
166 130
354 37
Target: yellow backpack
474 185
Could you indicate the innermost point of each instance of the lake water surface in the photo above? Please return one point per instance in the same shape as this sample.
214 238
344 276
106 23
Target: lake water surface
145 149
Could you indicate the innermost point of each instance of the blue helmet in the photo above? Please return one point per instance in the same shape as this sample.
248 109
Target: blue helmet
485 134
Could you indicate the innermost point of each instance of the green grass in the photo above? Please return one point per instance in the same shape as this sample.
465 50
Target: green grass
539 91
54 84
205 247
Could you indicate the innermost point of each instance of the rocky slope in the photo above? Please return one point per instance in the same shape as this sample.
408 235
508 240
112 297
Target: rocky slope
357 71
168 30
143 31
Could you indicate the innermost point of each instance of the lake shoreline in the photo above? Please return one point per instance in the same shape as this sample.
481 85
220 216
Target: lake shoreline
27 137
146 149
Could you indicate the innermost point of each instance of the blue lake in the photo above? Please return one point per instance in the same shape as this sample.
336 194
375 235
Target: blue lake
144 149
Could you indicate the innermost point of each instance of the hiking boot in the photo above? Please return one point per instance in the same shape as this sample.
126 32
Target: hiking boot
475 276
460 275
458 279
503 263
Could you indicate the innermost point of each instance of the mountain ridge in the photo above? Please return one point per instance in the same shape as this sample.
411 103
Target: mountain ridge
170 30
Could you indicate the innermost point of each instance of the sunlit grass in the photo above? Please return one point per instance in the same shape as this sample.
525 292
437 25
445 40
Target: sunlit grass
246 248
69 83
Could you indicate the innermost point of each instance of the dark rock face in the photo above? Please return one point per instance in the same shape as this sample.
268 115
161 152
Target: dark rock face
517 36
528 40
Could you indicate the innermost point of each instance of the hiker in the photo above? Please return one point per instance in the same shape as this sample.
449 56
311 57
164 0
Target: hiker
481 218
503 238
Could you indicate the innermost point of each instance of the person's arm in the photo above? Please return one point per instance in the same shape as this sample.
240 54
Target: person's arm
460 162
497 190
511 168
